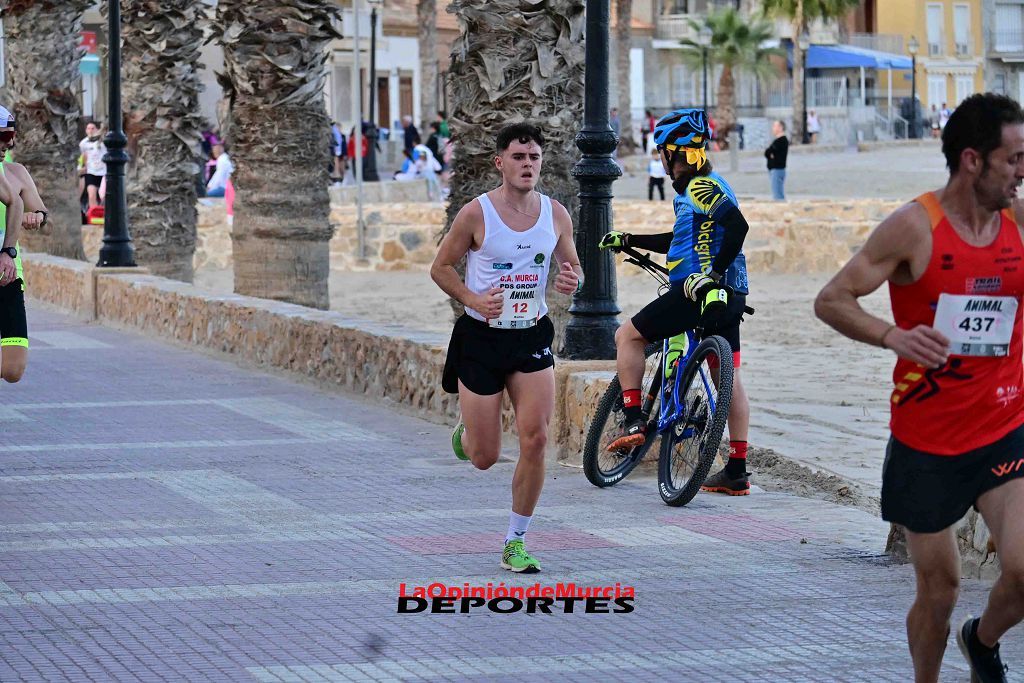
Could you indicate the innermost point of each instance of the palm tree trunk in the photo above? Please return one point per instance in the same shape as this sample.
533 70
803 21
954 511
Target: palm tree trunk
41 42
161 97
426 14
274 56
799 64
725 111
623 42
516 61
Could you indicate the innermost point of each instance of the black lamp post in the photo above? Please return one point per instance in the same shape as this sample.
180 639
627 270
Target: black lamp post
117 250
370 174
805 45
912 47
704 40
590 334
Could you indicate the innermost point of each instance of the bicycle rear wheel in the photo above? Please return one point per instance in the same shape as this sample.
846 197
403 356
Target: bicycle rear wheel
607 468
690 444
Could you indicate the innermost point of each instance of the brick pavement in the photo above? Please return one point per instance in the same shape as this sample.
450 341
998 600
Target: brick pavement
166 515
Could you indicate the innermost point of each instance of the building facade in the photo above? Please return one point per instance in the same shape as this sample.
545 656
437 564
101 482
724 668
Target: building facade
951 53
1003 23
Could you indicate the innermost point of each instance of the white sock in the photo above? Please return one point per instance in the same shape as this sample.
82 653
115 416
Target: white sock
517 526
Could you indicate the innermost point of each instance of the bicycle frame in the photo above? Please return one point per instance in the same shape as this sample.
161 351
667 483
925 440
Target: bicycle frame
669 411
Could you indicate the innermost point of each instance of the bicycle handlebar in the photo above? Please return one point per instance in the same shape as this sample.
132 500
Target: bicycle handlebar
644 261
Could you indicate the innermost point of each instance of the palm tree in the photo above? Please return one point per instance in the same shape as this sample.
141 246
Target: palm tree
426 15
736 45
41 44
516 61
161 101
623 42
274 57
800 13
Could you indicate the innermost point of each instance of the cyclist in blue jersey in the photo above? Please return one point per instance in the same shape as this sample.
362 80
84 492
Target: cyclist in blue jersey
708 277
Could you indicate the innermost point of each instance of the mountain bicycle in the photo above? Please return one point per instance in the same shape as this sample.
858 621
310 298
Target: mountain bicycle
686 392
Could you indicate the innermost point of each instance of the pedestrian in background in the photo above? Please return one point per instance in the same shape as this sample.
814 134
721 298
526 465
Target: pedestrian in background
655 176
776 155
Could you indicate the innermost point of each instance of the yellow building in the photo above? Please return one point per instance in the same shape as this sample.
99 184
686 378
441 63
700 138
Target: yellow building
951 46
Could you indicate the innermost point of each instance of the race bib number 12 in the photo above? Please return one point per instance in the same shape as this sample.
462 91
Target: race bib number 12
976 325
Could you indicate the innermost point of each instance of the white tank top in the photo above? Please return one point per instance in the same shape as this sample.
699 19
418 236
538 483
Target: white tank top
516 261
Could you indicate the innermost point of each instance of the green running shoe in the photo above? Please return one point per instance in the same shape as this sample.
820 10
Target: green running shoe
457 441
516 559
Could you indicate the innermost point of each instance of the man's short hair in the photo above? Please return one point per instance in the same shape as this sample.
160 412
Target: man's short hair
520 132
978 124
782 124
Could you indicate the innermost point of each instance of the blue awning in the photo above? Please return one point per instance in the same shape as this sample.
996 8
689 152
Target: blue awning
850 57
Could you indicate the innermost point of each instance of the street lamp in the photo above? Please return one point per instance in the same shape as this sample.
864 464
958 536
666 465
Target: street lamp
370 169
912 48
804 41
704 40
117 250
590 334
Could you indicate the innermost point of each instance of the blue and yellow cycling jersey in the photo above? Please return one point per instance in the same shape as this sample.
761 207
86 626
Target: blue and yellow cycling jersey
697 234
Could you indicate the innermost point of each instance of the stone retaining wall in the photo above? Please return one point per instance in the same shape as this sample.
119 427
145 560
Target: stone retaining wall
785 237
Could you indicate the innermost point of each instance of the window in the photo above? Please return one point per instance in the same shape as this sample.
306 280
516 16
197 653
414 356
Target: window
936 23
962 30
999 84
1008 33
964 88
937 90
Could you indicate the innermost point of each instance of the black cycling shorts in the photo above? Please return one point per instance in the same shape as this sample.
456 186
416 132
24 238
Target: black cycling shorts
672 313
13 325
928 493
483 356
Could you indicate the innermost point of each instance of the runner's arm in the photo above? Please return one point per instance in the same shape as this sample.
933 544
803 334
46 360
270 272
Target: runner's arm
30 195
565 252
889 248
453 248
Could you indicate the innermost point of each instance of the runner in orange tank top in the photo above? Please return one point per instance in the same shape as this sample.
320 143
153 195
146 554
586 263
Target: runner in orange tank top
954 261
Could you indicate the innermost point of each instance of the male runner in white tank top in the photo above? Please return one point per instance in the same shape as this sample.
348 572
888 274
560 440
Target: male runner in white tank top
509 237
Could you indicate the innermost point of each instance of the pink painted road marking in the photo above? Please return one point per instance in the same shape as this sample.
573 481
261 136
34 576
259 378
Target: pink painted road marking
463 544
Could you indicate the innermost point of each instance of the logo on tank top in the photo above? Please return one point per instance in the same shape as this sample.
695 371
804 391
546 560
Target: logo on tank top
538 259
501 266
520 247
1007 395
983 285
947 262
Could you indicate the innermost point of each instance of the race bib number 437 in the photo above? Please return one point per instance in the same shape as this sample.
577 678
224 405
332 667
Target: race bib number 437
976 325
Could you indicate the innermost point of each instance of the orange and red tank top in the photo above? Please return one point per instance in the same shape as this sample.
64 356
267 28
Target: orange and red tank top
978 396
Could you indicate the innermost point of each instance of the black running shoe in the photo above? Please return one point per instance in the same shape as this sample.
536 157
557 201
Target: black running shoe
721 482
633 434
986 666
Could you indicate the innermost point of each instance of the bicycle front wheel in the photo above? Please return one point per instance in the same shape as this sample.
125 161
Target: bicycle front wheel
607 468
690 444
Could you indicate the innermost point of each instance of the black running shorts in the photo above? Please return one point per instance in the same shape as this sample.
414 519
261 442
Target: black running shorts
94 180
672 313
13 326
483 356
927 493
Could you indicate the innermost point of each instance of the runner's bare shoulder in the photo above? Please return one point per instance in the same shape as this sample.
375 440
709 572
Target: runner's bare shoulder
904 229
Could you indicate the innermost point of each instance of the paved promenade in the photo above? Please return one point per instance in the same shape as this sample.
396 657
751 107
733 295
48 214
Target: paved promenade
165 515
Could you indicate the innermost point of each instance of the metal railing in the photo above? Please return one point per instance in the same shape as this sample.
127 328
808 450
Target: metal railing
822 91
883 42
1006 40
674 26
